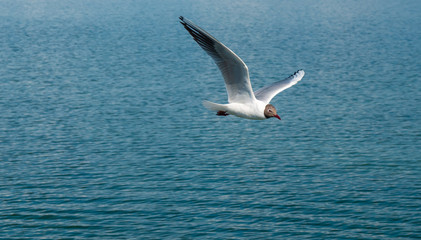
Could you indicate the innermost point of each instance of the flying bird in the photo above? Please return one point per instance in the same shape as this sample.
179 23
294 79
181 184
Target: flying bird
242 101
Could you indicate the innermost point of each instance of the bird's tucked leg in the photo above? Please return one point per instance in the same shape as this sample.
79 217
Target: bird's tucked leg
222 113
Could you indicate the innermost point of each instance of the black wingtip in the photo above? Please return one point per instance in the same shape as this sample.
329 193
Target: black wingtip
296 72
182 21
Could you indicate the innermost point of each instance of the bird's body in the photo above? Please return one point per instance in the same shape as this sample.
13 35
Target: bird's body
254 111
242 101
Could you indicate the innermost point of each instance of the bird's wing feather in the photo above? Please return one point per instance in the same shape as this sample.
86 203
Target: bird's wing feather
233 69
266 93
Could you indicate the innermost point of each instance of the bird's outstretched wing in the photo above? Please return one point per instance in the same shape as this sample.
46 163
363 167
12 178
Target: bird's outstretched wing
266 93
233 69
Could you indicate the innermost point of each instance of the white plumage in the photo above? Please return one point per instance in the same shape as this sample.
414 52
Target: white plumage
242 101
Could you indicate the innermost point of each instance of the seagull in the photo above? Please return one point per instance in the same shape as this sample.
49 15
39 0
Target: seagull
242 101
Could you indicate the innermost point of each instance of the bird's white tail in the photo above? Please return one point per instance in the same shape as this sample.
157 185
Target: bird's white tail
215 106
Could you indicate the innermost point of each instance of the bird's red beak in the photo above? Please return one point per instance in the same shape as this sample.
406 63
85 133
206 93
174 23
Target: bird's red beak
278 117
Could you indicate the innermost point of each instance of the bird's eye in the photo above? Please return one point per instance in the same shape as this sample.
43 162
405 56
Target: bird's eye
270 110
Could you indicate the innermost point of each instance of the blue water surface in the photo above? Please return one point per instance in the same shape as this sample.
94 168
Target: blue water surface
103 134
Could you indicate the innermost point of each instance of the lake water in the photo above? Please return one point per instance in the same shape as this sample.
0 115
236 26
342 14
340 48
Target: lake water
103 134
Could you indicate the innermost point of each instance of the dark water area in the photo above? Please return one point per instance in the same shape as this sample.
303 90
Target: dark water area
103 134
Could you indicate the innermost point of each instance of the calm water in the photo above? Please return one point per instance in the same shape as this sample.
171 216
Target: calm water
103 135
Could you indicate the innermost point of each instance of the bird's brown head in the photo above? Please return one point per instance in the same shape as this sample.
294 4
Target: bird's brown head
270 111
